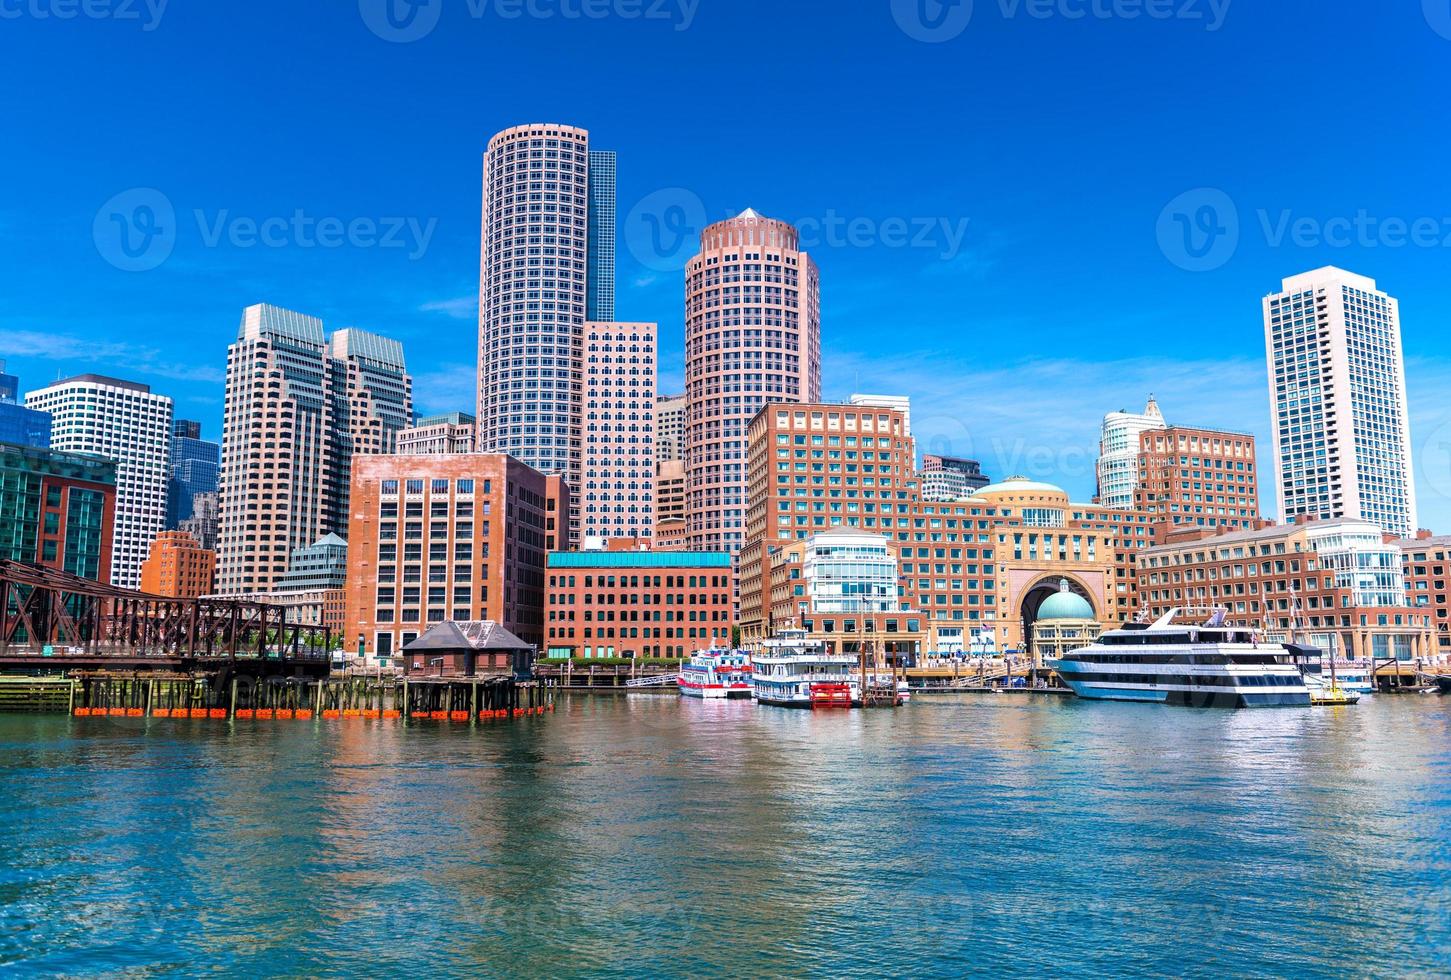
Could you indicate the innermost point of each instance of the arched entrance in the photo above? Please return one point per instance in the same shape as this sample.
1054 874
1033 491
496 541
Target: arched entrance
1039 593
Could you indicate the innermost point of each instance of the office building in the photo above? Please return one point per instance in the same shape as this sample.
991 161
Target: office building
950 478
204 523
438 435
299 407
616 498
178 567
1198 478
20 426
637 603
752 336
548 209
1342 437
57 510
126 422
670 428
1118 456
446 538
196 466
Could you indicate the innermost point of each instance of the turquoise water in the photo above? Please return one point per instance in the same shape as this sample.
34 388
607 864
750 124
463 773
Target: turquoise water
645 836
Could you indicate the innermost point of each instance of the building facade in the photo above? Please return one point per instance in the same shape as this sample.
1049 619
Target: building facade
203 523
1335 584
127 422
20 426
901 403
57 510
196 466
548 208
637 603
1342 437
670 429
946 478
178 567
439 435
752 337
299 407
446 538
1118 453
1425 560
1198 478
617 496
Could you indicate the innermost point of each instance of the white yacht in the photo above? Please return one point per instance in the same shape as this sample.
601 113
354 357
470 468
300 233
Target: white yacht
793 671
1177 660
716 674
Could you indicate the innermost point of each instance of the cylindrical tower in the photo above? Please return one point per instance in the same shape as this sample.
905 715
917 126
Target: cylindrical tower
752 337
533 286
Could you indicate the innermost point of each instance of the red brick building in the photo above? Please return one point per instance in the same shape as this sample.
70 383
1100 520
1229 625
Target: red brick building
457 538
178 567
1426 560
57 510
1198 478
637 603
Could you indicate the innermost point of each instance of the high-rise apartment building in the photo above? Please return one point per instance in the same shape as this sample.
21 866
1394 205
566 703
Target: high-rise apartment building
950 478
670 428
1198 478
548 210
616 498
299 407
752 336
438 435
1118 453
1342 436
126 422
196 466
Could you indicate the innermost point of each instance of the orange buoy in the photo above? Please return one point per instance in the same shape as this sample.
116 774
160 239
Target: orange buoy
116 712
198 712
217 713
135 713
303 714
83 712
352 713
331 714
372 713
283 713
392 713
161 712
246 713
458 716
264 713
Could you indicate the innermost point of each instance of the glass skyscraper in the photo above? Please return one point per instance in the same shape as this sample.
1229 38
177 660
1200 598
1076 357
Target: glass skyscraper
602 222
20 426
195 468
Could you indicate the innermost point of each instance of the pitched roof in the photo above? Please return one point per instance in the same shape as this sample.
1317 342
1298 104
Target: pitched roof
477 635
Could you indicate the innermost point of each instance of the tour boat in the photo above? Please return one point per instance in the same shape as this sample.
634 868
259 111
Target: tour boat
1177 661
793 671
716 674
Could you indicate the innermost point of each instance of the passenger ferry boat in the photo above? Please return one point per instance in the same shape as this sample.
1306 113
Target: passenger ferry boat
1175 661
716 674
792 671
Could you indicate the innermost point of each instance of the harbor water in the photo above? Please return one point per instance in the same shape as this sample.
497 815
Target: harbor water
646 835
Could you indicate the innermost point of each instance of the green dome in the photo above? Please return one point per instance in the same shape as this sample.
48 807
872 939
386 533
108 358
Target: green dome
1066 605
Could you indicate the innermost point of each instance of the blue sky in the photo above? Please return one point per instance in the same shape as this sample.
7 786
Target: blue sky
993 189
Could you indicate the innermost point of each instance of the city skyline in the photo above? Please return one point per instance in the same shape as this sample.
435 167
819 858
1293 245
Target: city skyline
1018 378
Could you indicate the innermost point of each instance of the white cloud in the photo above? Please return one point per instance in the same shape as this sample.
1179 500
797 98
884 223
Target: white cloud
451 388
103 355
462 308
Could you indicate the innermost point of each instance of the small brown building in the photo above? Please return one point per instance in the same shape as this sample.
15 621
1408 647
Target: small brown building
472 649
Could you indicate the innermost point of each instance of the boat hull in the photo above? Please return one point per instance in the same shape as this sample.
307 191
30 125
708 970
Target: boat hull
1190 697
712 691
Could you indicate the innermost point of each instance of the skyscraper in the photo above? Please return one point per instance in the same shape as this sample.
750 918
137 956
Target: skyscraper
1118 456
602 229
126 422
543 223
670 428
20 426
299 406
617 496
752 336
1342 437
196 466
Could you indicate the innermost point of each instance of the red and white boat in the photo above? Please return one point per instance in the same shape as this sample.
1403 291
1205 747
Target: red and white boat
716 674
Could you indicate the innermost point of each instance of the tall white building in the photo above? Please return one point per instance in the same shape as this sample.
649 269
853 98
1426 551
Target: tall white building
670 428
616 498
548 211
1118 454
125 422
1338 393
